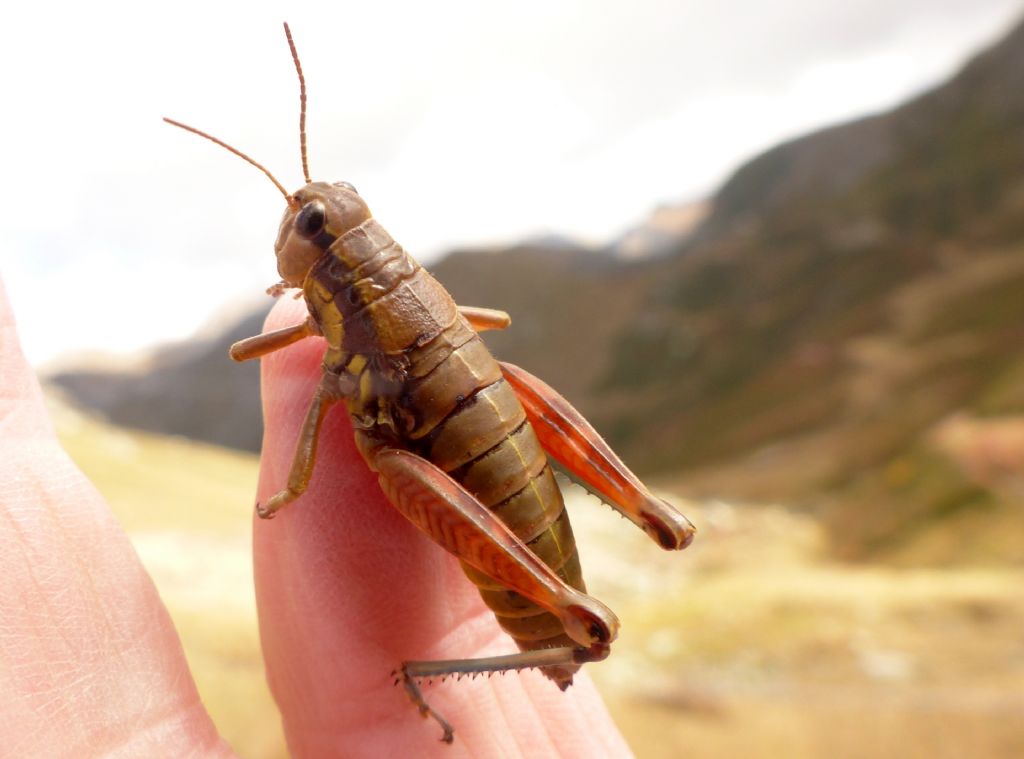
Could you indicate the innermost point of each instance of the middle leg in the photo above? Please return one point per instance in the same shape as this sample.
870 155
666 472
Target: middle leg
328 392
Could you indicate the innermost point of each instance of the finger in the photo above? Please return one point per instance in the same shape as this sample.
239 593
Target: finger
90 664
347 589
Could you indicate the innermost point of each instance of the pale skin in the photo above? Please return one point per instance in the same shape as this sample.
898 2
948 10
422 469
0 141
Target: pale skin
90 663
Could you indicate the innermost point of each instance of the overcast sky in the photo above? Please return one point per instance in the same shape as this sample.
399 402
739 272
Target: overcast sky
461 122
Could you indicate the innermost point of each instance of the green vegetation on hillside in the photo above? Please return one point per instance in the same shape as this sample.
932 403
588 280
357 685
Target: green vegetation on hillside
851 291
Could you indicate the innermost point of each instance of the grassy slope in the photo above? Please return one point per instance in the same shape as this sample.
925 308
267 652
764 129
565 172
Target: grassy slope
749 644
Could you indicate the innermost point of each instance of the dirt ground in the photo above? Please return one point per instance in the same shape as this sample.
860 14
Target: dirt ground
756 645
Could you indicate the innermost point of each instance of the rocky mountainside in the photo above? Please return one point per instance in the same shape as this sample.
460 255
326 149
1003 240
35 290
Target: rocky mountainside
844 329
191 389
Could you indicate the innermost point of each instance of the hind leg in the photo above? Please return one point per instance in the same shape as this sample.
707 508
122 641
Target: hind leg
454 519
568 437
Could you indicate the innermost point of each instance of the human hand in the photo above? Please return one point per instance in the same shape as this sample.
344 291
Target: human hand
90 663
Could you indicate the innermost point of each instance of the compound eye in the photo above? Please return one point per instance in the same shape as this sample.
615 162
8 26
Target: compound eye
347 186
311 219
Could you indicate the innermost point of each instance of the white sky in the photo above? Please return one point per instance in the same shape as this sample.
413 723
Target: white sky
461 122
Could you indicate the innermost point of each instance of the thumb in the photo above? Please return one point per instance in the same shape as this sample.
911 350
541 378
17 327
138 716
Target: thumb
90 664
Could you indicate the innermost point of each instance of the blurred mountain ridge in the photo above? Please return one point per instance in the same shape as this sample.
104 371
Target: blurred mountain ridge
190 388
844 297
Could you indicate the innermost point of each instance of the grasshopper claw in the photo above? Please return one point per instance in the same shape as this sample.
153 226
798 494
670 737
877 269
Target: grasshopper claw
264 513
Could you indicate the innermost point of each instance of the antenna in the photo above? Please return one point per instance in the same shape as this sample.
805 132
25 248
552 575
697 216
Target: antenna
302 102
237 152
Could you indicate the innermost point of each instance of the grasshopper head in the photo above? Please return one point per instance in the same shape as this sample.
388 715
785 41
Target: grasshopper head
316 216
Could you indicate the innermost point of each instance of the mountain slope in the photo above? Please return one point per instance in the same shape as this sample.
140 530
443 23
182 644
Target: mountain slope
849 291
849 296
189 389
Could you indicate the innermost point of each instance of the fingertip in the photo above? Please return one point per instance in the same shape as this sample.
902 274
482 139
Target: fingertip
287 310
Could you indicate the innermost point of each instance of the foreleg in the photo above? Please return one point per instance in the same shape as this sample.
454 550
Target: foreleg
328 392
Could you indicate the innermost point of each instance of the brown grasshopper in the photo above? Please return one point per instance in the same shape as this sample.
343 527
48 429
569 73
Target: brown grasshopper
459 440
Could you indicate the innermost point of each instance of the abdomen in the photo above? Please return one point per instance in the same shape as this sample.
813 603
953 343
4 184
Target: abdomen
466 419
